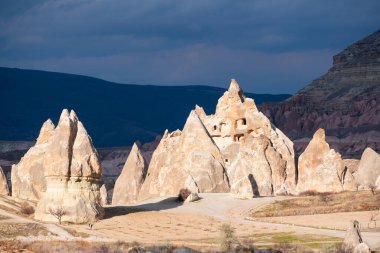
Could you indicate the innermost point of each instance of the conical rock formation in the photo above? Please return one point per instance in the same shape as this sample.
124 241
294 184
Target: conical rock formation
62 171
237 149
128 184
4 189
188 159
320 168
258 157
28 181
368 169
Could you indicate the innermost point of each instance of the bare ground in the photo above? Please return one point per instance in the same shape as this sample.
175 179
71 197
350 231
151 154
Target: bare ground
163 221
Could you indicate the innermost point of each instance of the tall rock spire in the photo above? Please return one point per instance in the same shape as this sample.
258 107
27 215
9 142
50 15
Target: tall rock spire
62 169
128 184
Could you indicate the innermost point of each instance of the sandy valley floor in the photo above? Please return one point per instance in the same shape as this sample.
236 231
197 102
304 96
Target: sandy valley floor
165 221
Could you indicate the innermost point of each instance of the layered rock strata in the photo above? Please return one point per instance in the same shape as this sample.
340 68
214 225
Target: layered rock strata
344 101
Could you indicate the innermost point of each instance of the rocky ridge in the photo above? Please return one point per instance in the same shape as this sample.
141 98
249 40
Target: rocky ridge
344 101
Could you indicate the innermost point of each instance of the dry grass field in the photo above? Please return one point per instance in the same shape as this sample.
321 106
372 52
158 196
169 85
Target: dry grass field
321 204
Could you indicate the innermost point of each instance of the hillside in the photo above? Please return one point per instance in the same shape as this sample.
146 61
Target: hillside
345 101
114 114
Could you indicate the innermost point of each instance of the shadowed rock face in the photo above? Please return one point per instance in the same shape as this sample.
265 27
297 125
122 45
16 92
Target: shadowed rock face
345 102
128 184
4 189
320 168
237 149
61 171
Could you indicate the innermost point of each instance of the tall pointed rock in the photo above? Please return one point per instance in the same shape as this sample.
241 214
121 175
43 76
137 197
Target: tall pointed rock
368 173
128 184
319 167
258 157
28 181
236 148
187 159
61 170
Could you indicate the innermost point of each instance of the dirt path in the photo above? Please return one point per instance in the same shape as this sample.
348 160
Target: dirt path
61 233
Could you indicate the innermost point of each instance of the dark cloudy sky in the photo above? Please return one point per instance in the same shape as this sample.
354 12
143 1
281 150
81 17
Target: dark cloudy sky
269 46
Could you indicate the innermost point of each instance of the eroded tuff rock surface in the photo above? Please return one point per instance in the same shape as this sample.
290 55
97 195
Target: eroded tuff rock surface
320 168
128 184
345 102
28 181
353 238
61 171
368 171
103 195
4 189
237 149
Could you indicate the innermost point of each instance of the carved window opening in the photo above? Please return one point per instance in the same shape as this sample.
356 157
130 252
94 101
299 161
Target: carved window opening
238 137
215 127
226 160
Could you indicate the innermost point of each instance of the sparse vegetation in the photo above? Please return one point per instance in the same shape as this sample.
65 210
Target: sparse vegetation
26 208
58 212
315 203
183 194
11 230
227 237
372 188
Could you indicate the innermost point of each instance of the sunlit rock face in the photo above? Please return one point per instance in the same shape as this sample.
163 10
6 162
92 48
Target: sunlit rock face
61 170
129 183
368 172
320 168
28 181
237 149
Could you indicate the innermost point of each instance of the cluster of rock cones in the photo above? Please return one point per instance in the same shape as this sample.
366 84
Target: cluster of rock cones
236 150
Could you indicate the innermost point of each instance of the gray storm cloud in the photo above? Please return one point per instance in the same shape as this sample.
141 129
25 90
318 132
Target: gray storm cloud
269 46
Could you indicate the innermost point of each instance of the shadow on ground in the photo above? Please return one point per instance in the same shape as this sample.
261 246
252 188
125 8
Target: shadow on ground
168 203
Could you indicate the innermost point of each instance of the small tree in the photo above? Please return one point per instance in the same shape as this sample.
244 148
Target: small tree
372 187
227 237
58 212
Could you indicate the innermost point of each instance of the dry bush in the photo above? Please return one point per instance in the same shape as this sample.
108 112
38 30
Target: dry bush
286 247
314 193
183 194
12 245
26 208
227 237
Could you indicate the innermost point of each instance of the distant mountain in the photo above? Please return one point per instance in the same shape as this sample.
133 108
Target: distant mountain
114 114
345 101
